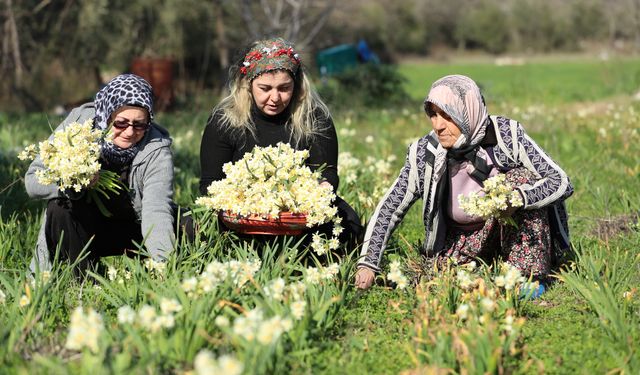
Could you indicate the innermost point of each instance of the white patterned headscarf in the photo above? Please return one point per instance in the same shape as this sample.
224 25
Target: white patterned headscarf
460 98
123 90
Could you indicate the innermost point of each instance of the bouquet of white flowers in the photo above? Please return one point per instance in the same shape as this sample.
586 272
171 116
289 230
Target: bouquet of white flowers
71 161
273 183
496 196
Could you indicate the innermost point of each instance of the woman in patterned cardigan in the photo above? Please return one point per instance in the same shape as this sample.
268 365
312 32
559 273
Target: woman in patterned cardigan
466 147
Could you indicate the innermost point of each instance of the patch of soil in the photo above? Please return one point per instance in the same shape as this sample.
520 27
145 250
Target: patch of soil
611 227
543 303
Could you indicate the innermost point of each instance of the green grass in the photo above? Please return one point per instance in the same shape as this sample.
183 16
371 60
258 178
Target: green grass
596 143
374 337
536 82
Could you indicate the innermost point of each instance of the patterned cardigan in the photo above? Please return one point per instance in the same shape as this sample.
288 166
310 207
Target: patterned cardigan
512 148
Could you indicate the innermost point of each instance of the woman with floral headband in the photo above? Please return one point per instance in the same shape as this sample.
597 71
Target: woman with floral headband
139 153
466 147
272 101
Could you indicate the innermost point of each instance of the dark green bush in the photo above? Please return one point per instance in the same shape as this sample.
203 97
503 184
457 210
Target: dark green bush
366 85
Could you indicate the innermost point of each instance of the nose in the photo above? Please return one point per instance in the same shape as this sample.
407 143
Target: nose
438 122
275 96
129 131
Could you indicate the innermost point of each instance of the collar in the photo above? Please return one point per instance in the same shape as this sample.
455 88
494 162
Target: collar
260 117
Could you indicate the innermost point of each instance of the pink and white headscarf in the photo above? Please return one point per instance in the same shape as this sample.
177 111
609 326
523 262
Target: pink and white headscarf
460 98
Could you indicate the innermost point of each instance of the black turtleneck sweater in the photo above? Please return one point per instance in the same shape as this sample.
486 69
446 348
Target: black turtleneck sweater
220 146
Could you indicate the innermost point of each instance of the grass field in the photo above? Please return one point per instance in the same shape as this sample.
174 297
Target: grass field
581 112
543 82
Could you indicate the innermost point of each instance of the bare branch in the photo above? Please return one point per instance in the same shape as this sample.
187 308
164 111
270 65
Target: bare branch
266 8
41 6
247 16
321 21
278 14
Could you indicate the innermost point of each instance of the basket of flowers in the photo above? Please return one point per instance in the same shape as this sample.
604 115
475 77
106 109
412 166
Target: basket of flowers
286 223
270 191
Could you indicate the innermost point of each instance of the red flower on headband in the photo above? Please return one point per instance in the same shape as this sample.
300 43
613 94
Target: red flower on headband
243 70
281 52
253 55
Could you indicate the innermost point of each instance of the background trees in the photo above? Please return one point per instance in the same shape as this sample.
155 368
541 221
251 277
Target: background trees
55 52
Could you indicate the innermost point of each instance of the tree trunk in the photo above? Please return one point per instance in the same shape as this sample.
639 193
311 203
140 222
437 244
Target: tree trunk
221 37
14 44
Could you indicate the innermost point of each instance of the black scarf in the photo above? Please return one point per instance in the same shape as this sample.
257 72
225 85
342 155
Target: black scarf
117 156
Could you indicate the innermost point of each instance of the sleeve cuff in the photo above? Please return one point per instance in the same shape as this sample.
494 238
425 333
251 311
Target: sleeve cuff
525 204
369 266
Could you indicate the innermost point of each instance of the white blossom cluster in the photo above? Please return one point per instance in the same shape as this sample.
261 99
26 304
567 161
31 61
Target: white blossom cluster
348 166
84 330
70 157
316 276
485 309
509 278
320 245
482 303
149 318
279 290
494 198
25 300
396 275
216 273
380 166
112 274
351 168
294 292
205 363
155 267
464 280
347 132
254 326
41 279
271 180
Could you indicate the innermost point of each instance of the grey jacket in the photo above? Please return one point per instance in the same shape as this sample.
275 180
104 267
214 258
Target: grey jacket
150 189
513 149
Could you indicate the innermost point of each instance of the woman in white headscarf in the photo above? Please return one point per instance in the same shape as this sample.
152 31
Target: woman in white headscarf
466 147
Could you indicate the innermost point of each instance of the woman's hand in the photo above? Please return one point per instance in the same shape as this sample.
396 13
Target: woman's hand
94 180
364 278
510 210
326 183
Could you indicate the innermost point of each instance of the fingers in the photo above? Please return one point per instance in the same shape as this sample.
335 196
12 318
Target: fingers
94 179
364 278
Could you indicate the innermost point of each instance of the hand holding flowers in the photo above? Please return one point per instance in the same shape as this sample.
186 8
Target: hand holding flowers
497 199
71 162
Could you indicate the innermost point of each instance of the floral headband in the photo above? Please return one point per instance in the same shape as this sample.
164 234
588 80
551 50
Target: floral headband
272 54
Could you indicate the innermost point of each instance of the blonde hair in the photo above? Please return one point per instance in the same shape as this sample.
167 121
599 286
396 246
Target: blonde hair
307 108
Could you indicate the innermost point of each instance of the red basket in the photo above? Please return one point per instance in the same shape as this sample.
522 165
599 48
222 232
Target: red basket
286 223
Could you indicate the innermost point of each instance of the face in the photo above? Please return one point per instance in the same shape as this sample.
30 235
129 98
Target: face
129 136
446 130
272 91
